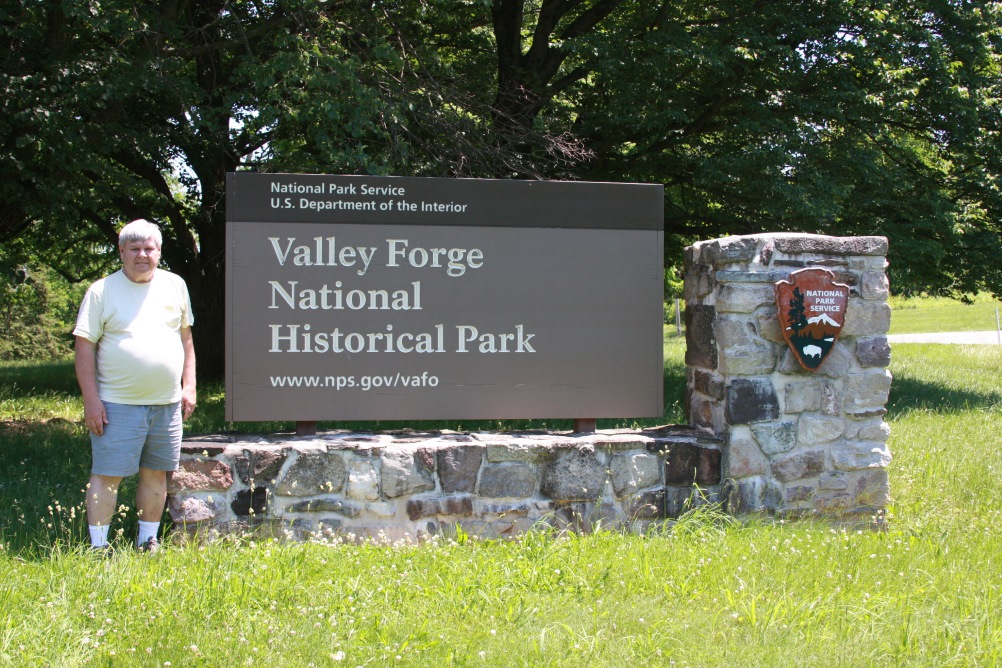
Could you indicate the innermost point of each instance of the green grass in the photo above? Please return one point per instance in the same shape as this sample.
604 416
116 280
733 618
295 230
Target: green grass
920 315
711 591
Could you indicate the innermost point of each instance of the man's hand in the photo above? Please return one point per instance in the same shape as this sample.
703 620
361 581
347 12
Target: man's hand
95 416
187 402
187 374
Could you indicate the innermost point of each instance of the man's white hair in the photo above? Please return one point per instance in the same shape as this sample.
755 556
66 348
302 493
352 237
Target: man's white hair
140 230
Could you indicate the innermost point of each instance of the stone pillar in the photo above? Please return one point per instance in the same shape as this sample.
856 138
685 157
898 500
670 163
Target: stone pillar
794 441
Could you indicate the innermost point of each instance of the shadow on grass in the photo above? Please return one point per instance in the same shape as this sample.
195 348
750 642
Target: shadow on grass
912 394
23 379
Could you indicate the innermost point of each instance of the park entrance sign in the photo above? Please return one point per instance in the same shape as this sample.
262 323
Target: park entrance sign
386 298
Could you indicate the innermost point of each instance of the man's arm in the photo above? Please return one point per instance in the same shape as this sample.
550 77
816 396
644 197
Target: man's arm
85 362
188 373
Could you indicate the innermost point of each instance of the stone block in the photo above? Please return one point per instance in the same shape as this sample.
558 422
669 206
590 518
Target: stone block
646 505
752 495
838 362
866 318
314 471
700 339
191 510
729 250
198 475
751 400
707 382
703 413
259 464
815 429
306 529
687 464
803 395
405 473
752 361
383 509
679 500
326 505
584 516
577 475
873 430
634 472
515 508
833 481
873 489
744 298
799 465
363 483
868 263
769 277
873 351
461 506
874 285
768 329
458 467
789 366
799 493
775 437
831 403
745 353
797 244
519 452
865 414
744 459
508 481
855 455
250 502
698 283
690 257
866 391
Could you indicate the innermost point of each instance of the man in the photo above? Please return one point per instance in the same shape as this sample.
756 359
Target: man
135 363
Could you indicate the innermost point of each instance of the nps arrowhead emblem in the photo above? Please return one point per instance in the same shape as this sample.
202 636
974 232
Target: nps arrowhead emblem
811 314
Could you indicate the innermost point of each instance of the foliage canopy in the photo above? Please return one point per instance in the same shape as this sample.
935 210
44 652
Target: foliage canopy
830 116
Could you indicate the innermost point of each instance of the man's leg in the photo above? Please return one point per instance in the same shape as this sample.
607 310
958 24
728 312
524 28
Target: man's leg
162 453
151 495
102 497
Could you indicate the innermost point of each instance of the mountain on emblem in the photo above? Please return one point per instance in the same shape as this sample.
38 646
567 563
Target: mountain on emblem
811 308
824 320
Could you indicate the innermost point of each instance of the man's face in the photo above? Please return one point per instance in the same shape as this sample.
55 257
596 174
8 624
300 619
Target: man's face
139 260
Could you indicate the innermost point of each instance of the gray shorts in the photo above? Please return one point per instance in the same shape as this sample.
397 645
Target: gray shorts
137 436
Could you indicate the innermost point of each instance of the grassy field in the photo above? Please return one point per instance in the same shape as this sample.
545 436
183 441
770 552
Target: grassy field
710 591
920 315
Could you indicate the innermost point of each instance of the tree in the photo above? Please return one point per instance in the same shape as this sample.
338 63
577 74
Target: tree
140 110
797 314
831 116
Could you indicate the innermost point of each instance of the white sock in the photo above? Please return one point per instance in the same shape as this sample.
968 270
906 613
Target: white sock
98 535
147 530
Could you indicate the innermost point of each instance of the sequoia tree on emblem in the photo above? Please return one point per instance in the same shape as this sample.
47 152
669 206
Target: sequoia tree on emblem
811 314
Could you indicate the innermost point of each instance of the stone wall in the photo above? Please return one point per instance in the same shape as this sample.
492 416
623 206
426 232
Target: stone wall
408 485
794 441
763 434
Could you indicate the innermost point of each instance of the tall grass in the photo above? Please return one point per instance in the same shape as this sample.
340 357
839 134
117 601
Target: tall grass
710 591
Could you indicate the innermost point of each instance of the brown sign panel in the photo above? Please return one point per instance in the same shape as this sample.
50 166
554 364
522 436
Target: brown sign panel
811 314
382 298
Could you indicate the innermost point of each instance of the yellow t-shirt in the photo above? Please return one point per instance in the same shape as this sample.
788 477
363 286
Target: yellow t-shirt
137 329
